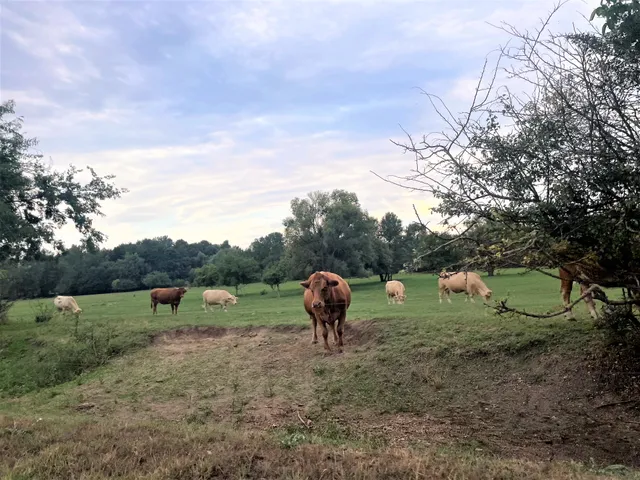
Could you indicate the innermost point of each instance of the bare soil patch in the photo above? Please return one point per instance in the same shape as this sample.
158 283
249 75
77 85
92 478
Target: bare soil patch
536 406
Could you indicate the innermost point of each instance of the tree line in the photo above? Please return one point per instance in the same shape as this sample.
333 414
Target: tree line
325 231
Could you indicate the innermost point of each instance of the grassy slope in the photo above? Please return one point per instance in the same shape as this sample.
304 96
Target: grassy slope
220 397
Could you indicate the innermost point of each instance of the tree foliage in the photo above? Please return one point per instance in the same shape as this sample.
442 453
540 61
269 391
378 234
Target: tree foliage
236 267
36 200
275 275
557 169
329 231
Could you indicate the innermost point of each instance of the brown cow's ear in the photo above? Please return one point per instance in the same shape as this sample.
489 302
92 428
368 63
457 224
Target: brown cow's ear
305 284
332 283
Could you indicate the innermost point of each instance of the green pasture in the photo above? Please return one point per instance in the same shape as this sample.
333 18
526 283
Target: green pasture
88 400
35 355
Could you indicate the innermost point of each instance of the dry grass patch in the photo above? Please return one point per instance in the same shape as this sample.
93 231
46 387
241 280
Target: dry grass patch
105 449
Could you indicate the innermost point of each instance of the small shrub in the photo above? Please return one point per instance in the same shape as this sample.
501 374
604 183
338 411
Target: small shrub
5 306
43 312
263 292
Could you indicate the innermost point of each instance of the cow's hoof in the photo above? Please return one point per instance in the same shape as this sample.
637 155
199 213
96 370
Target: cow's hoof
314 342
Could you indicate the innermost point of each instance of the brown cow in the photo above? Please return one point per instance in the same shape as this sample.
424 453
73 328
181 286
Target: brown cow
167 295
568 273
326 299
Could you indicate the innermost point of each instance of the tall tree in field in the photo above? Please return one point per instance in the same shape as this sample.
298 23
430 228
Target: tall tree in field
235 267
35 200
390 232
329 231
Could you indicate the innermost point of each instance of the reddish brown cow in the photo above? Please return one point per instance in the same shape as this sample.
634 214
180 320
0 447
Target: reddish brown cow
326 299
167 295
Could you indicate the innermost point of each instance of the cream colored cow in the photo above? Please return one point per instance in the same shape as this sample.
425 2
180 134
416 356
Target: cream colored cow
67 304
218 297
458 282
395 292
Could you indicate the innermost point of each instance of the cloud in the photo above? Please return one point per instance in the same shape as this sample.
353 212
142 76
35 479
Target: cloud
216 114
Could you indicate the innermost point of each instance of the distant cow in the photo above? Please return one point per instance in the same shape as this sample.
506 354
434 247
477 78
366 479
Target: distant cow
458 282
218 297
67 304
395 292
167 296
326 299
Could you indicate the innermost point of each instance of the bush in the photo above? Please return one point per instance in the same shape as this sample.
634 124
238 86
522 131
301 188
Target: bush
5 306
43 312
124 285
179 282
157 280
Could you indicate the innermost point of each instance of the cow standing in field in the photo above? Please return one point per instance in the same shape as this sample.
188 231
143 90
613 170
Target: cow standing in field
395 292
167 296
458 282
568 274
326 299
218 297
67 304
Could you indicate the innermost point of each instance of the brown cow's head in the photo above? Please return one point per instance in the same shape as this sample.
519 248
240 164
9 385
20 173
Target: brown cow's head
182 291
319 284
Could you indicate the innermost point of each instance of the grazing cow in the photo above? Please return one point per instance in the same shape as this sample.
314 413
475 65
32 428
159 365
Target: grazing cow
326 299
67 304
218 297
167 295
568 273
395 292
458 282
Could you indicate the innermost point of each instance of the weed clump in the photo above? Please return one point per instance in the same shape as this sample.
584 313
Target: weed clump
43 312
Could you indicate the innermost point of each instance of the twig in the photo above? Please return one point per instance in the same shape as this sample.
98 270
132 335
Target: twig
613 404
306 425
502 307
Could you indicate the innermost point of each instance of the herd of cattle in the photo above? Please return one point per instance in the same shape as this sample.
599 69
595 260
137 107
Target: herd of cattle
327 297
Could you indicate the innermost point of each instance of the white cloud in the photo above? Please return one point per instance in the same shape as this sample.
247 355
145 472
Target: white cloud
236 192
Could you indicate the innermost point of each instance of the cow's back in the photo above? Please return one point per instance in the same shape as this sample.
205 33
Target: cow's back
165 294
461 281
394 287
214 296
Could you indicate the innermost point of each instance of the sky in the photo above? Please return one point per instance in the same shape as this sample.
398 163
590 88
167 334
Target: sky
216 114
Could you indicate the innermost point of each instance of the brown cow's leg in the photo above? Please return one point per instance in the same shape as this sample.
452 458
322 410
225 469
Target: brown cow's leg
325 336
591 305
334 326
341 319
565 288
177 305
314 324
154 308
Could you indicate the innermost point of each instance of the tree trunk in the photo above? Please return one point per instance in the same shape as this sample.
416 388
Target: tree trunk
236 290
382 277
278 289
491 270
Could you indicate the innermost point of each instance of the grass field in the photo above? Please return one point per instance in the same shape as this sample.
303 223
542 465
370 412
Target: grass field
423 390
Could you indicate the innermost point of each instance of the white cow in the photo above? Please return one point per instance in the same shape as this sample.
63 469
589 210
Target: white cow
395 292
218 297
65 304
458 282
